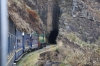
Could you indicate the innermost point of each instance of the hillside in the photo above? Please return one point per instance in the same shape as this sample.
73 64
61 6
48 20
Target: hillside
76 23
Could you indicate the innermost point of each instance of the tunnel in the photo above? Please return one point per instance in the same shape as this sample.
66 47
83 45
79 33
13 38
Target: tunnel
55 21
53 36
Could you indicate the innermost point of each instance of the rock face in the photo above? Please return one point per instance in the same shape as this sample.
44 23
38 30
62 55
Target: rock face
83 19
80 17
75 22
47 10
24 17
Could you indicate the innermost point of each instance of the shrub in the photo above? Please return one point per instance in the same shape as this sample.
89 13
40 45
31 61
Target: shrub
33 15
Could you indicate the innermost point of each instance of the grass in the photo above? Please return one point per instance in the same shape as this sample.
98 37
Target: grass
75 57
32 58
85 45
72 56
29 59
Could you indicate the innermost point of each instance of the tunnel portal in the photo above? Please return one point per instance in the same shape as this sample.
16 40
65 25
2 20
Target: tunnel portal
55 30
52 37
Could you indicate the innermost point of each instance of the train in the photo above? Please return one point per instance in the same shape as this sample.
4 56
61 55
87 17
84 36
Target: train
19 43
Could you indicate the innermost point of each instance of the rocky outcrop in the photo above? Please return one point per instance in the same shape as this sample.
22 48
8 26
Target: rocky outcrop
82 21
80 17
25 19
87 9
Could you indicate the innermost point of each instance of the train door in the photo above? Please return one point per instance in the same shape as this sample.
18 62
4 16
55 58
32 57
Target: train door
34 41
27 42
19 46
18 40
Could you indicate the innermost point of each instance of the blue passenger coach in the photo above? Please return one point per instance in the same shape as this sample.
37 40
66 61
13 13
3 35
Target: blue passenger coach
20 42
34 40
19 48
26 42
11 43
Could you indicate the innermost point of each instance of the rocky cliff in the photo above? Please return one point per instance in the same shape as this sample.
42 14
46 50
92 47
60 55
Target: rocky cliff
25 19
77 17
74 23
81 17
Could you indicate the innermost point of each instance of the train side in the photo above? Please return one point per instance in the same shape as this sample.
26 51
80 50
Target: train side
11 43
42 40
19 43
34 41
27 45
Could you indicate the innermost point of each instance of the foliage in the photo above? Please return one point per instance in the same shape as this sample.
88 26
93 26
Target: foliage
33 15
73 38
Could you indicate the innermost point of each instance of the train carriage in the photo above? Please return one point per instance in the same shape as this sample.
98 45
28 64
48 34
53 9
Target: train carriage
19 48
11 43
14 43
20 42
42 40
34 41
26 42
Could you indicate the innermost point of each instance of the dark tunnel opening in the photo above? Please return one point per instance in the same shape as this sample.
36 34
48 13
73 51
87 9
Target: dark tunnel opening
53 36
55 30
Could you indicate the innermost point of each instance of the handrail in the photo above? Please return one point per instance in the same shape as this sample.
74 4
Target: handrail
4 30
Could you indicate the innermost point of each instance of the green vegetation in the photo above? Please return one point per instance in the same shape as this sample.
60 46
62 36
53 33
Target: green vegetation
62 64
73 38
29 59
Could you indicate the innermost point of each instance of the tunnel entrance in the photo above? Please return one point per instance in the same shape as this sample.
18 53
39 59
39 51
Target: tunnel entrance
52 37
55 30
